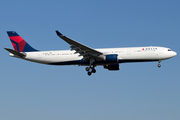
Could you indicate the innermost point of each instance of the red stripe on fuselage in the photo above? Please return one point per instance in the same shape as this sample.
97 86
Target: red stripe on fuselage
20 42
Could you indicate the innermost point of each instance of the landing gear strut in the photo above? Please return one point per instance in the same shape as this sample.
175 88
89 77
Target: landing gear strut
91 69
159 65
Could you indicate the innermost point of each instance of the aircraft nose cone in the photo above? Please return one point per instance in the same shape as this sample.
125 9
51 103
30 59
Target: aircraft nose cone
171 54
174 53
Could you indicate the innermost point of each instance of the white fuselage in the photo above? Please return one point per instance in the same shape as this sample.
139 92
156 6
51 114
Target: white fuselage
130 54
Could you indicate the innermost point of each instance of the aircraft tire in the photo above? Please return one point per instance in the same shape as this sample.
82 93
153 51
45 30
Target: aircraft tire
89 73
87 68
159 65
93 70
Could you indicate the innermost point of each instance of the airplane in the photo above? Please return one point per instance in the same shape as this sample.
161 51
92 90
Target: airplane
82 55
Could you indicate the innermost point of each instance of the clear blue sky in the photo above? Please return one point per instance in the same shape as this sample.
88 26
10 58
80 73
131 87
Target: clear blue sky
139 91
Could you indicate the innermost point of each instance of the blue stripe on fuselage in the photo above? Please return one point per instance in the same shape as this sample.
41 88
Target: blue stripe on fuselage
83 62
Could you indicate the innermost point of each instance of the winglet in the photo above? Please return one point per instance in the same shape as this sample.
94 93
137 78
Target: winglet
58 33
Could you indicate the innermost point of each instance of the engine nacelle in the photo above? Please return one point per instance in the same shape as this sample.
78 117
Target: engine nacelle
111 58
112 67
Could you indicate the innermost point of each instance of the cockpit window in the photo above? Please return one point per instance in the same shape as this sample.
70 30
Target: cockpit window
169 50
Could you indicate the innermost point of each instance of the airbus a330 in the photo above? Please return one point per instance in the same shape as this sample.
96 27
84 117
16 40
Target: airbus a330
82 55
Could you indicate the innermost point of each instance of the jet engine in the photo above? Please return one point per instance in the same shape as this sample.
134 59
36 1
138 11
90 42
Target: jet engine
113 58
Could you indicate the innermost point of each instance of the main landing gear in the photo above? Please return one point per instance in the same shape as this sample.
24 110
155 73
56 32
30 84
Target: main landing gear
159 65
91 69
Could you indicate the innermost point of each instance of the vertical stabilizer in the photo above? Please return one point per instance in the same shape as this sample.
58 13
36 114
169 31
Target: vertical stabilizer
19 44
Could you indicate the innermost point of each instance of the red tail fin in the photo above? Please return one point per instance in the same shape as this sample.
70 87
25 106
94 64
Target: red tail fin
19 44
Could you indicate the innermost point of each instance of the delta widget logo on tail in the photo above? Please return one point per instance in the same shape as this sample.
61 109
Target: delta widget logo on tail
19 44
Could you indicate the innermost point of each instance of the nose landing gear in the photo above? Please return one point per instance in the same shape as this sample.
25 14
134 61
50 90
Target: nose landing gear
159 65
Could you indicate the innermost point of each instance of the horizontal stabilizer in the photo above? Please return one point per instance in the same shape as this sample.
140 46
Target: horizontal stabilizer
16 53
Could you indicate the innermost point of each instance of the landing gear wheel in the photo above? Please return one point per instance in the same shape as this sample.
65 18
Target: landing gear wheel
87 68
89 73
159 65
93 70
92 66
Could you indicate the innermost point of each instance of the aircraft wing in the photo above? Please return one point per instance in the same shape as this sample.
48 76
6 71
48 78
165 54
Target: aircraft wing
83 50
